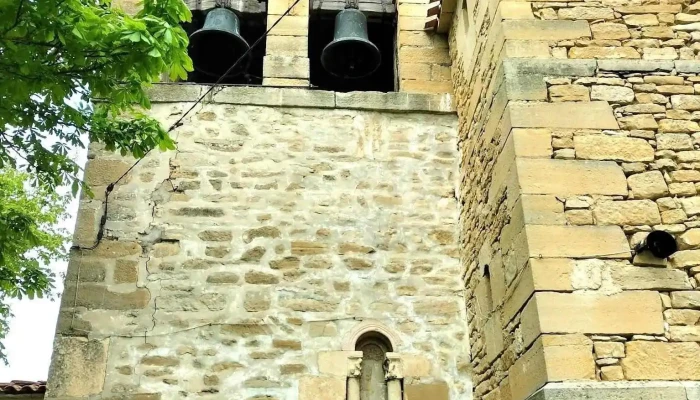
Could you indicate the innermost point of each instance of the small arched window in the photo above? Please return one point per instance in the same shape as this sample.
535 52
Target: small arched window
374 347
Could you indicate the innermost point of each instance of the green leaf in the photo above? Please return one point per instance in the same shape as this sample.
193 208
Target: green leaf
85 51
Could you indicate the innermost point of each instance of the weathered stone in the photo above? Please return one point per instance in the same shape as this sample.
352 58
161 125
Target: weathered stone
114 249
590 13
160 361
689 299
609 349
691 206
662 361
684 333
673 141
285 263
682 317
309 305
125 271
576 241
565 177
261 278
223 278
690 239
198 212
215 236
635 65
602 147
603 52
101 172
262 232
327 388
611 373
166 249
630 212
674 125
569 93
217 251
90 271
357 264
636 312
245 329
589 115
545 30
648 185
303 248
253 255
344 248
78 367
322 329
641 121
226 366
615 94
95 296
335 363
292 369
436 307
256 301
635 278
419 391
609 30
686 102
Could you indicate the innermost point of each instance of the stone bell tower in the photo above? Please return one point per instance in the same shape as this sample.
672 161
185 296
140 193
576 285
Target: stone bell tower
465 223
301 243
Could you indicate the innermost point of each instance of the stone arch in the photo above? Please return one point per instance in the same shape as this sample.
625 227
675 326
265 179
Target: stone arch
371 328
374 347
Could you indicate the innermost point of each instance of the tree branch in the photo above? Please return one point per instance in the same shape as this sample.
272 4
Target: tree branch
19 12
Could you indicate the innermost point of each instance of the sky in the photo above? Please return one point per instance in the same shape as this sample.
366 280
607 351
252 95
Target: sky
29 342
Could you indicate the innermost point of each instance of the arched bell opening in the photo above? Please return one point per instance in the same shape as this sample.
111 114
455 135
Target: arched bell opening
353 49
218 36
373 384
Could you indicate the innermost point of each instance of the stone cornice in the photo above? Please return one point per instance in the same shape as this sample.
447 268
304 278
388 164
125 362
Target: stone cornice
305 98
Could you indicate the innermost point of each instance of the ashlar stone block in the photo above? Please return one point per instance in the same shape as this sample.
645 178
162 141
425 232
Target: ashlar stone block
78 367
545 29
336 362
629 212
570 115
648 185
321 387
662 361
633 312
562 241
571 177
604 147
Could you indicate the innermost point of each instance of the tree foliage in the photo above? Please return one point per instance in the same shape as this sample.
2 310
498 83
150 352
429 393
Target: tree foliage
55 50
71 69
29 241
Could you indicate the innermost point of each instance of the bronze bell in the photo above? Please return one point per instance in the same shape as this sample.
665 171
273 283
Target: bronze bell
219 44
351 54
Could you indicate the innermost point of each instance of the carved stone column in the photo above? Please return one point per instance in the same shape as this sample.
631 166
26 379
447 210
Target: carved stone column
394 375
354 371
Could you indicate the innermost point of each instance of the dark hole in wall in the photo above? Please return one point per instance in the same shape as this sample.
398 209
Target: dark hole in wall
253 25
381 30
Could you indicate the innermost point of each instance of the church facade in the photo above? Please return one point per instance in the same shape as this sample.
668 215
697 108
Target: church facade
479 230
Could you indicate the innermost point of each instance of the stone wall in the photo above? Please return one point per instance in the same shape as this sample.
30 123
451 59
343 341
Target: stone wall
239 266
596 148
488 189
423 56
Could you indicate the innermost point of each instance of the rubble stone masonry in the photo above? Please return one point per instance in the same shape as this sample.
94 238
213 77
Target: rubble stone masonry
496 250
238 266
